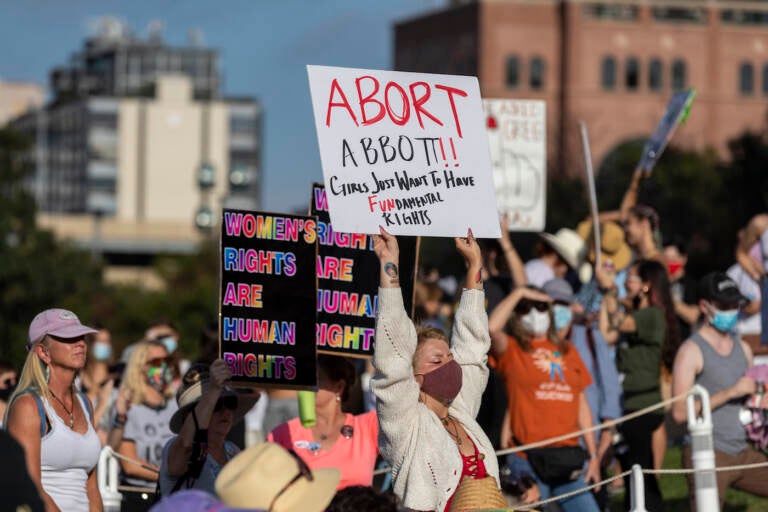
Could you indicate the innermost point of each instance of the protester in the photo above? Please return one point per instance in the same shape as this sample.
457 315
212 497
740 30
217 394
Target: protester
429 393
642 228
555 255
546 382
647 336
17 488
52 421
207 409
95 379
682 287
604 394
7 386
146 426
427 301
337 440
361 498
262 478
714 358
750 321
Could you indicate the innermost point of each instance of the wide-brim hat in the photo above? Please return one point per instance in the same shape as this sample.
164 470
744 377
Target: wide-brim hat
613 245
188 398
254 477
568 245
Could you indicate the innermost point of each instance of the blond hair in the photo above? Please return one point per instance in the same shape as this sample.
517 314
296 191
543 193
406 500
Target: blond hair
135 379
33 377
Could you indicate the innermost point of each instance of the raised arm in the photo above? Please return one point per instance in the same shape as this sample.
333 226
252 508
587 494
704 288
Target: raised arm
630 196
515 264
181 448
470 338
395 388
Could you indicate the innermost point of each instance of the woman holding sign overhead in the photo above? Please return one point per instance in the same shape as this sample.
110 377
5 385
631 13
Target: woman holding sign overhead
428 393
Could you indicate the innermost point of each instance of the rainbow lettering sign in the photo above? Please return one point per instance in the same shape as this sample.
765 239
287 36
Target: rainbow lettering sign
348 283
267 298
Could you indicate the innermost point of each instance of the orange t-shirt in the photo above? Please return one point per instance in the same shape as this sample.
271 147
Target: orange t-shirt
543 387
353 456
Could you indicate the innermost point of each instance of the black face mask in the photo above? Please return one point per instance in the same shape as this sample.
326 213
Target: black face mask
6 393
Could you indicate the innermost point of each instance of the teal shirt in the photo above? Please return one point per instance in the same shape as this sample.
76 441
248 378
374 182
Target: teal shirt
640 359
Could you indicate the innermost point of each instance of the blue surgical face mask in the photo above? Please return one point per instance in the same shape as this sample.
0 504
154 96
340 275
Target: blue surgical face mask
563 316
724 321
102 351
170 343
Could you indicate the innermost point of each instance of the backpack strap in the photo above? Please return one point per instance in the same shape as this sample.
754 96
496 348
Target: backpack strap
40 410
87 404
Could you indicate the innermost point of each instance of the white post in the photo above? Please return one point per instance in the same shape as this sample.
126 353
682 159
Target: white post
637 490
702 450
107 475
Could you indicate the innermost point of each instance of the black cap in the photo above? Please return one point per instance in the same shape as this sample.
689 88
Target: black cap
717 286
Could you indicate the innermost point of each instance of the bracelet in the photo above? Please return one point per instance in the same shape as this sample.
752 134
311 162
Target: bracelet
119 421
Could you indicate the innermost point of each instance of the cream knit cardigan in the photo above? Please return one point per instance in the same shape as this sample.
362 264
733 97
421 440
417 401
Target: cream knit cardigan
426 463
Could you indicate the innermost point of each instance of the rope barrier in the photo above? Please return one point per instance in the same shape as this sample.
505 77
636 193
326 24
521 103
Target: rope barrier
570 494
720 469
604 425
134 461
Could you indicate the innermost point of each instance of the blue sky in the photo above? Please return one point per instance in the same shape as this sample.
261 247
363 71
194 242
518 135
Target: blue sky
265 46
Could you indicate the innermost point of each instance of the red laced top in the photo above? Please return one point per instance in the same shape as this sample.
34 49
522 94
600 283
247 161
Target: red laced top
472 465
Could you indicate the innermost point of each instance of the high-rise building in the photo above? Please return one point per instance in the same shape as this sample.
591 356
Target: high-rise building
19 97
613 64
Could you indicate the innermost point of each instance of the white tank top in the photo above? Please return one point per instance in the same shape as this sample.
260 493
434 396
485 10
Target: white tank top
66 458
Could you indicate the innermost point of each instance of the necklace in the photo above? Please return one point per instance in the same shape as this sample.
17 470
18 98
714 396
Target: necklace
69 411
455 434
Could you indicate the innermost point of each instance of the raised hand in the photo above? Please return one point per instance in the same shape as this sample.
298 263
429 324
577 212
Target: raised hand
473 257
386 248
219 373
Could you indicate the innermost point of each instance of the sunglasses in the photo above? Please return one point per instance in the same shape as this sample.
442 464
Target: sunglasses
158 362
304 471
226 402
68 341
525 306
10 382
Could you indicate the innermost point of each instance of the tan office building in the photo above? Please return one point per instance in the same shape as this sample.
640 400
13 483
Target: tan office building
19 97
613 64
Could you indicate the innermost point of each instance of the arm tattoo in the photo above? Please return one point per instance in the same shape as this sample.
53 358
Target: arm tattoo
391 270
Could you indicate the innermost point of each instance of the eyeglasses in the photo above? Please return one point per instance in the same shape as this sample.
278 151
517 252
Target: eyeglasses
158 362
524 306
226 402
304 471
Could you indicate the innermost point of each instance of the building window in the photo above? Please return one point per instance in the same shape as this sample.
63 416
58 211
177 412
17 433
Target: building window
746 78
765 79
632 73
615 12
655 72
536 73
742 17
680 14
608 72
513 71
678 75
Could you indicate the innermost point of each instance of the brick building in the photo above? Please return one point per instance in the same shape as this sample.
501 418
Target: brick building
613 64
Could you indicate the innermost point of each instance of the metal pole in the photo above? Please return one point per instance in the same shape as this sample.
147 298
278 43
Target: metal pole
702 450
592 192
637 490
106 476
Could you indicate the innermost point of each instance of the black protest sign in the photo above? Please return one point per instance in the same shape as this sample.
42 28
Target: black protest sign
267 298
348 284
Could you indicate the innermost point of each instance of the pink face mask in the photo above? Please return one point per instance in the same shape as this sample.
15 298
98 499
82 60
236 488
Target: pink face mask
443 383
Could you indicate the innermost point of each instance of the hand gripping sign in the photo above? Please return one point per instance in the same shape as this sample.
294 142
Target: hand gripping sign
405 151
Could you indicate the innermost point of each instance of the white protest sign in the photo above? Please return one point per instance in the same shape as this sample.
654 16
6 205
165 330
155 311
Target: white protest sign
517 136
405 151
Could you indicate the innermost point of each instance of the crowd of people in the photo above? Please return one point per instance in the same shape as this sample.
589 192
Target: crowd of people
517 353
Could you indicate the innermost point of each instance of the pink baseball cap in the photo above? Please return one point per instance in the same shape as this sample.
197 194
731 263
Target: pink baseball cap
56 322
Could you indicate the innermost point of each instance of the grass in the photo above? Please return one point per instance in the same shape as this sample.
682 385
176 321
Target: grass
674 489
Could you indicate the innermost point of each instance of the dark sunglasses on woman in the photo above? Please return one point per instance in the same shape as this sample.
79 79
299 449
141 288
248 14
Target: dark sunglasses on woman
226 402
158 362
525 306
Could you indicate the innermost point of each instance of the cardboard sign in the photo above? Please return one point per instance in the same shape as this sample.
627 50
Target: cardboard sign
267 298
406 151
677 111
348 284
517 132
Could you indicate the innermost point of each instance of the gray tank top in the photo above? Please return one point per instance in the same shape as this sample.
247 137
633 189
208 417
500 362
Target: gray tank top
718 373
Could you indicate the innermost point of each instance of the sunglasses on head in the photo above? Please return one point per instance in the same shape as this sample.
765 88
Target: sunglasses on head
304 471
226 402
158 362
525 306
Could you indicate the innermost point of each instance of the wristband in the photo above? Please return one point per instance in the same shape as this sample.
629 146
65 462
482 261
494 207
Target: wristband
119 421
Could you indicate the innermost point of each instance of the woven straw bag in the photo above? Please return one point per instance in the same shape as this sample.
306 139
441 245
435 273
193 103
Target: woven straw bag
478 494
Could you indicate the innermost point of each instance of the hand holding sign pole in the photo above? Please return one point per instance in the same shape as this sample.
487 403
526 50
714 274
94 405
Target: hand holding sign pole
406 151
